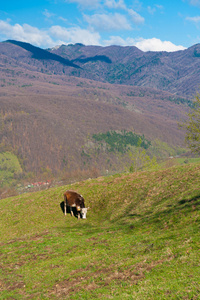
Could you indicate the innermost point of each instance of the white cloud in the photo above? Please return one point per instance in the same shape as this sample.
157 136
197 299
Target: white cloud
110 4
48 14
151 10
116 5
25 33
117 40
195 2
195 20
107 22
55 35
153 44
86 3
97 3
155 8
63 19
161 7
136 18
75 35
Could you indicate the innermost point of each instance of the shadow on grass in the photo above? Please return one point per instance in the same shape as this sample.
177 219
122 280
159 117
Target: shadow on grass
68 210
193 201
185 205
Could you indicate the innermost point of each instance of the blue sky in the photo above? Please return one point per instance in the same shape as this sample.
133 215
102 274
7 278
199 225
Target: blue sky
155 25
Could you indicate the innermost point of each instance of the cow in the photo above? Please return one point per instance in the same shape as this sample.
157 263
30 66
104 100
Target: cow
73 199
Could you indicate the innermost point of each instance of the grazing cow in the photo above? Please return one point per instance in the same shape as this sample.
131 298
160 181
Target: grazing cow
73 199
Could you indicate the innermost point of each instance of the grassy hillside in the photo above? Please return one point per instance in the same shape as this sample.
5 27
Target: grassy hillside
140 240
10 168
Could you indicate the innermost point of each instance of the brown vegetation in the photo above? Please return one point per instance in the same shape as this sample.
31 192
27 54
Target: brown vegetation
48 119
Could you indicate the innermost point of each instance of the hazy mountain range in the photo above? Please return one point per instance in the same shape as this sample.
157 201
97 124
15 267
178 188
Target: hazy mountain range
53 101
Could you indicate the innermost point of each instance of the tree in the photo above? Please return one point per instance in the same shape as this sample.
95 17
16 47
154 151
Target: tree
192 126
140 160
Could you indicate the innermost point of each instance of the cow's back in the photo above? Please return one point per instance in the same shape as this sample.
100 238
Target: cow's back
74 199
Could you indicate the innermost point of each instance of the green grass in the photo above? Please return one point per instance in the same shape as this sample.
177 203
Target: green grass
194 160
9 168
140 240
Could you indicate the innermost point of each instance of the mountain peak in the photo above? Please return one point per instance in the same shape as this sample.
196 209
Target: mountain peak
42 54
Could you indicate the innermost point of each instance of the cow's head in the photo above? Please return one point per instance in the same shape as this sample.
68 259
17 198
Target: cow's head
84 212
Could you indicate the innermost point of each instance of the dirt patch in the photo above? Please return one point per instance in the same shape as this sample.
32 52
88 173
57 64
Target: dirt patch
66 287
37 237
71 249
92 239
11 287
95 241
104 276
32 238
12 241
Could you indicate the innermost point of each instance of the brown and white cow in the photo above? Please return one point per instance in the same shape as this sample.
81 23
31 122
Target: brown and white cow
73 199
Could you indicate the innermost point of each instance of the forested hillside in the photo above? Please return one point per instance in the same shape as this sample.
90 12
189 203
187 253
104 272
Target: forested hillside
51 120
176 72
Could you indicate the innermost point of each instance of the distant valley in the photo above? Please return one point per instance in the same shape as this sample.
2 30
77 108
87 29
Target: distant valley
53 102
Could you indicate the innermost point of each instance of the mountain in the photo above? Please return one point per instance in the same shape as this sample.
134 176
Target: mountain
176 72
49 116
40 54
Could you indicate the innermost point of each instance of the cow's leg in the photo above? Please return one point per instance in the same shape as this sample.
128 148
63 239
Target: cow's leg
65 204
78 211
71 210
65 208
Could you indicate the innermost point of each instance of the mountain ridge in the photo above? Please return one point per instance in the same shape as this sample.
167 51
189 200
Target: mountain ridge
49 111
39 53
176 72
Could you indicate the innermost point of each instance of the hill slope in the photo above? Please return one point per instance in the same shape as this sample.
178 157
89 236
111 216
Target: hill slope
48 119
140 240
